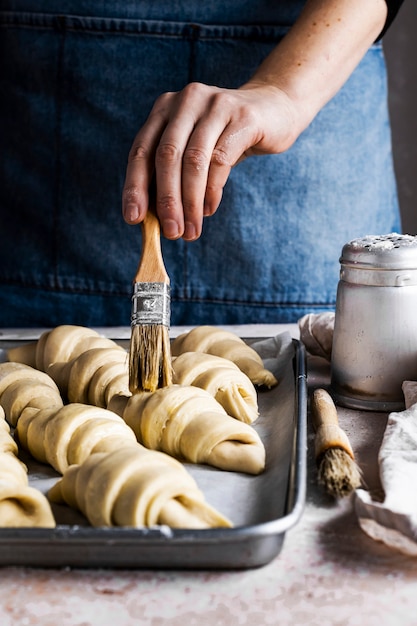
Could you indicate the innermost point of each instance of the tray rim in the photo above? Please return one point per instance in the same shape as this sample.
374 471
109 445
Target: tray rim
111 539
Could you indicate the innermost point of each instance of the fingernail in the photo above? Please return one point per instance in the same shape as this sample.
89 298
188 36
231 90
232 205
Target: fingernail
131 212
190 231
171 229
206 209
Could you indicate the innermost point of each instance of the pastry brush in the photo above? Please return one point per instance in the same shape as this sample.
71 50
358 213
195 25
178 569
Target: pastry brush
150 352
338 472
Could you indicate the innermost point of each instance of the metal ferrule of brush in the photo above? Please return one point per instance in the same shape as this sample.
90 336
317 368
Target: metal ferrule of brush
151 304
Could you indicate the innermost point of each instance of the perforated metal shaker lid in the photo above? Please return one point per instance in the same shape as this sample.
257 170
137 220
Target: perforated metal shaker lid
392 251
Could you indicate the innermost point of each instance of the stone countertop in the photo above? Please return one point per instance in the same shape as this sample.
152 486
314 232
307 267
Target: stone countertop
328 573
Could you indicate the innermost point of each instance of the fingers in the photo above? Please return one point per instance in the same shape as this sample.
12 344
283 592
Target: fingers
140 166
183 162
190 142
177 219
138 177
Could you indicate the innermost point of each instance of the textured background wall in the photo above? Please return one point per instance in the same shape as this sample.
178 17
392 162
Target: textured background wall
400 46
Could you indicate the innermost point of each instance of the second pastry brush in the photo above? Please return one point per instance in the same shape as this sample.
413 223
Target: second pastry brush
338 472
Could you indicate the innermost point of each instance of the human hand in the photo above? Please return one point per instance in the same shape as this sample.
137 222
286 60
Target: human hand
194 137
190 142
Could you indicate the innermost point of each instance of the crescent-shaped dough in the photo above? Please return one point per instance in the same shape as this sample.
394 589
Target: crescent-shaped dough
50 431
60 430
31 430
10 372
189 424
193 426
66 342
135 487
59 345
69 436
109 380
14 396
24 353
12 469
35 393
213 340
95 375
86 365
20 505
222 379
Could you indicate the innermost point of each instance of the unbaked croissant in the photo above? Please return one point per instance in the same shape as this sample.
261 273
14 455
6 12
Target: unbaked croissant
53 433
94 375
60 345
213 340
20 504
135 487
73 435
98 374
215 435
189 424
74 357
22 384
222 379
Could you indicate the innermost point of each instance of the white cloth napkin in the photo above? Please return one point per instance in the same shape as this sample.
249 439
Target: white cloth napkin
393 521
316 333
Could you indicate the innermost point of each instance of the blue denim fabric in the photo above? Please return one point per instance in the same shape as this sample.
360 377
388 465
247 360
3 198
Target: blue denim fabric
76 86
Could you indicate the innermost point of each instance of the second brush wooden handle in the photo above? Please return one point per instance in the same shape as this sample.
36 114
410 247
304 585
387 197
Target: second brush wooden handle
326 424
323 409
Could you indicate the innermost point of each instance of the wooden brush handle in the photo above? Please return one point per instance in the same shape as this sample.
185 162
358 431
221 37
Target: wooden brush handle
151 268
323 409
326 424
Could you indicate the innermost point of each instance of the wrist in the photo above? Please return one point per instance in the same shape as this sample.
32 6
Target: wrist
292 115
319 53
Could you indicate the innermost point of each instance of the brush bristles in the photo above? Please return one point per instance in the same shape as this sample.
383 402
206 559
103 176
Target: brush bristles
150 365
338 473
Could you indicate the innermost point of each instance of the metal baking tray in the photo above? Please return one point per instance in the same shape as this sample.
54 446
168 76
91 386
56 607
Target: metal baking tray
262 508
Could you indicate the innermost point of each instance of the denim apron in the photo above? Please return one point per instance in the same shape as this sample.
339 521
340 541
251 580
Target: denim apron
76 85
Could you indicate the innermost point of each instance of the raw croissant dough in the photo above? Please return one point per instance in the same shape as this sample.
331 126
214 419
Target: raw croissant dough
213 340
75 434
94 375
20 505
189 424
59 345
51 432
135 487
222 379
184 421
204 433
61 350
